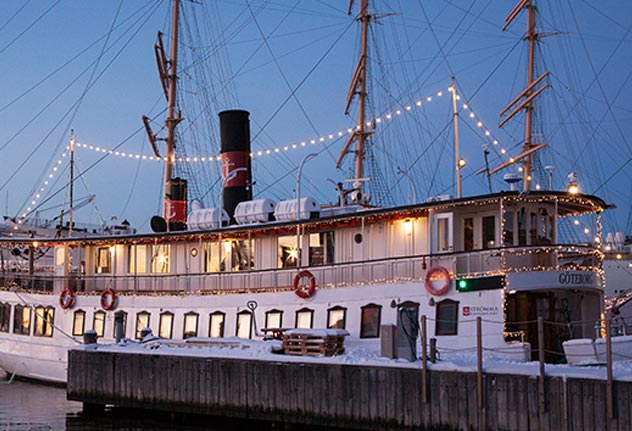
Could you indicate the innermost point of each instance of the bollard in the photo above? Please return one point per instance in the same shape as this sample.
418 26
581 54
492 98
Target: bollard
118 324
90 337
433 350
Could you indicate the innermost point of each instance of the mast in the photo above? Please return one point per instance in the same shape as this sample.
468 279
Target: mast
171 121
528 94
358 86
457 155
72 181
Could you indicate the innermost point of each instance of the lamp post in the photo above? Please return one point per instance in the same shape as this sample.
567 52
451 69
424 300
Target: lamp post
410 180
298 207
230 176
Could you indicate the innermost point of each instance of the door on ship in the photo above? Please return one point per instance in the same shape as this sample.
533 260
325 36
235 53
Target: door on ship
443 233
522 310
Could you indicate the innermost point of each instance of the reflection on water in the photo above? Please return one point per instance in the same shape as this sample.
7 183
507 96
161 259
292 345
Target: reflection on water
35 407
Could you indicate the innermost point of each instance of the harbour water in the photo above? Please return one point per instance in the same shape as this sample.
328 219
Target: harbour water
28 406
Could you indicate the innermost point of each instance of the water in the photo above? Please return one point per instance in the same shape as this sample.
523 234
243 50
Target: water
35 407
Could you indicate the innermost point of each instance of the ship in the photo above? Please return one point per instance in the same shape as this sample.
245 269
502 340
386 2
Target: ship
256 263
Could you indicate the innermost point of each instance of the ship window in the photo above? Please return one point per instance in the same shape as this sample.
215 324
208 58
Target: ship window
336 317
447 317
244 324
142 322
545 227
5 316
98 323
216 325
103 263
533 228
522 226
22 320
78 323
274 318
370 324
287 252
304 318
190 325
44 320
165 325
321 248
160 258
468 233
443 234
124 314
211 257
137 259
237 256
489 232
508 228
60 256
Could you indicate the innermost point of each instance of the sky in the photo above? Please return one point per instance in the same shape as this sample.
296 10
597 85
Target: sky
90 67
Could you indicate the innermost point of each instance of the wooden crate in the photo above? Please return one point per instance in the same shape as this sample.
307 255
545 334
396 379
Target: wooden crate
313 345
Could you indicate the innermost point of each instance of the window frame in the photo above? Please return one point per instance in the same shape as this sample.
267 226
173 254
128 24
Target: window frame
19 329
237 326
94 323
274 311
311 317
363 324
138 329
43 322
184 324
439 306
124 324
5 317
166 314
222 329
344 316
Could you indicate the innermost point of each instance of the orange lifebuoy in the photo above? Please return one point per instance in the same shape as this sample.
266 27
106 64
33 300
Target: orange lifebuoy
67 298
108 299
301 292
437 273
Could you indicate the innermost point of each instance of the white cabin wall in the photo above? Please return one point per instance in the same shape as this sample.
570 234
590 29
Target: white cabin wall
379 244
421 242
265 252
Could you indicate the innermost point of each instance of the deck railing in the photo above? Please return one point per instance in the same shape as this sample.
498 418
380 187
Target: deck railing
500 260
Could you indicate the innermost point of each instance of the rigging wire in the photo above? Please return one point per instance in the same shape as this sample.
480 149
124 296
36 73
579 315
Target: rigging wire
31 25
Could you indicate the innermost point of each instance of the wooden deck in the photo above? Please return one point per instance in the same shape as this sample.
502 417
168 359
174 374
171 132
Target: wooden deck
341 395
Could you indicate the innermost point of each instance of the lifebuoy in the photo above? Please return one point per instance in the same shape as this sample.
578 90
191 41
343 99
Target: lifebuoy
67 298
436 273
108 299
300 291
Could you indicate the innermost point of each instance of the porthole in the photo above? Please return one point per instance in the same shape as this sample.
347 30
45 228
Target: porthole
357 238
194 252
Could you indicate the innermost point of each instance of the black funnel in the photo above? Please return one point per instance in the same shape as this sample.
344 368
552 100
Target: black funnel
234 130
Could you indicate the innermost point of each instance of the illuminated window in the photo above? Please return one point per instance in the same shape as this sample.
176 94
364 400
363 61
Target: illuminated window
287 252
137 259
211 257
44 320
274 318
304 318
103 261
98 323
60 256
244 324
336 317
216 325
165 326
370 323
22 320
321 248
124 314
160 258
447 317
142 322
5 317
190 325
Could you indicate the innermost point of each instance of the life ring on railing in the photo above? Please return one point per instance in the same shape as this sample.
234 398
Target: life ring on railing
67 298
108 299
300 291
437 273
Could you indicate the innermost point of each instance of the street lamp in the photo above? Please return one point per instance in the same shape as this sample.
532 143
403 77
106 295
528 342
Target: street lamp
298 207
230 176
